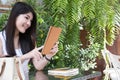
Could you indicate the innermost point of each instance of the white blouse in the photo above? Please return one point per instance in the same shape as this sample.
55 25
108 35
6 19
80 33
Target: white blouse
18 52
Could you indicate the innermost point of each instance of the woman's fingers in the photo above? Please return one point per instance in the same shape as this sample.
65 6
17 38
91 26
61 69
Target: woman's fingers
36 55
54 50
39 48
56 42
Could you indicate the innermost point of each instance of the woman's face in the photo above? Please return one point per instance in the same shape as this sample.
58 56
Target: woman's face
23 22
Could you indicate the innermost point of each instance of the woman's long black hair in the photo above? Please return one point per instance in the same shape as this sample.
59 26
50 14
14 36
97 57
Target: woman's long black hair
27 39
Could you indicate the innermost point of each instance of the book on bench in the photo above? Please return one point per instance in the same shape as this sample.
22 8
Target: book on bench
52 37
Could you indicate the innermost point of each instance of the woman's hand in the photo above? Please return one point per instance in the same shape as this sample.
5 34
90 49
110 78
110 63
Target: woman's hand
34 54
53 51
41 62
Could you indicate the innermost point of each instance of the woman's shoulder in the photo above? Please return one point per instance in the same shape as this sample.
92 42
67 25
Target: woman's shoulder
2 38
1 45
2 34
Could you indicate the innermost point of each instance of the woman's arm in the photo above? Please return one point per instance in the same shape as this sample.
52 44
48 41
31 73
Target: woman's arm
34 54
41 63
38 60
1 52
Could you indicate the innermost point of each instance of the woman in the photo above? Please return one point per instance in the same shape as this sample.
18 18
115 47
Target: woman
18 38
